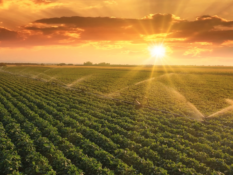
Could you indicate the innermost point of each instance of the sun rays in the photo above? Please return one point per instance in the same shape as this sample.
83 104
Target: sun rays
157 51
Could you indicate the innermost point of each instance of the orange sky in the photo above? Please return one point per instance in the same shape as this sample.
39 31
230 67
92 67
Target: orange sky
194 32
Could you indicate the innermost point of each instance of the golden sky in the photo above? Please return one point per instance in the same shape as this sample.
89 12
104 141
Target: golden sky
194 32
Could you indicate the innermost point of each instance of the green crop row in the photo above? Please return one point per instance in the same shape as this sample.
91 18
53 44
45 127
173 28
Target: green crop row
99 136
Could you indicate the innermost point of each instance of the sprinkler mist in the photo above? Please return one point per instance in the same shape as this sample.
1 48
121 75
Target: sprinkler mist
77 81
224 110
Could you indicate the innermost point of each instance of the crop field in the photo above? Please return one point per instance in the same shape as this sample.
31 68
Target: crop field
83 120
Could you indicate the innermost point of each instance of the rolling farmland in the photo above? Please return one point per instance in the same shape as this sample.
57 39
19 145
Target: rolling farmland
64 121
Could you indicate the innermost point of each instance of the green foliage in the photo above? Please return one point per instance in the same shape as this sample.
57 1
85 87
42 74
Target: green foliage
88 63
45 129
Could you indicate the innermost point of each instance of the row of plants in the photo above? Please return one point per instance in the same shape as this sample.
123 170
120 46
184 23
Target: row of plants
77 157
32 161
96 137
10 160
190 137
136 133
128 144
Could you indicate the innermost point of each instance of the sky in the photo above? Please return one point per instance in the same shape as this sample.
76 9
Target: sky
193 32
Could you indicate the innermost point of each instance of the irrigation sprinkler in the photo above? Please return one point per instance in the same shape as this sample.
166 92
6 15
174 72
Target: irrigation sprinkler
84 89
137 104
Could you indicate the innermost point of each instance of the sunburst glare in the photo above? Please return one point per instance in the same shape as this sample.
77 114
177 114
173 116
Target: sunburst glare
157 51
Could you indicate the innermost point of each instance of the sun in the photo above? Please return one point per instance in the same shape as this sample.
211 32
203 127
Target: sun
157 51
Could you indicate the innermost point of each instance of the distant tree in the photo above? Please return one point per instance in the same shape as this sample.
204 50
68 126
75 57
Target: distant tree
88 63
103 64
61 64
3 64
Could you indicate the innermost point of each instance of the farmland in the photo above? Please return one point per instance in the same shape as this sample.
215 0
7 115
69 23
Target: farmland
64 121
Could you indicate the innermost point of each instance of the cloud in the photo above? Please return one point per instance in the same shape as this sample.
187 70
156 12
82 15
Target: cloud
78 21
42 1
105 28
154 27
31 38
110 2
202 23
13 15
196 51
47 30
217 37
6 34
203 29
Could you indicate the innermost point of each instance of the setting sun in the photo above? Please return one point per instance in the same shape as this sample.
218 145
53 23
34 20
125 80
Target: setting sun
157 51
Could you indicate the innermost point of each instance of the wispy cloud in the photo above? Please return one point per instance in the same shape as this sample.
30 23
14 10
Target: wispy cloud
206 35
